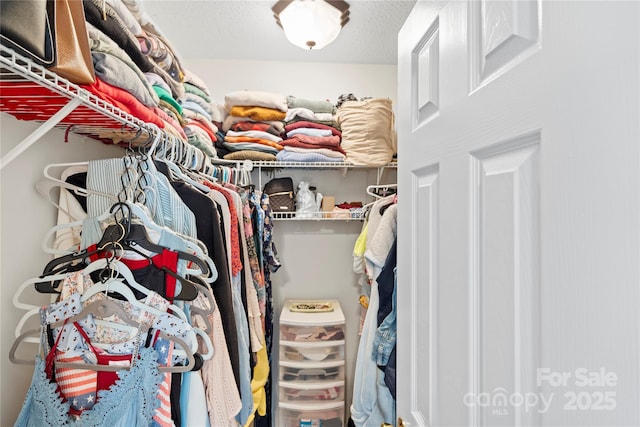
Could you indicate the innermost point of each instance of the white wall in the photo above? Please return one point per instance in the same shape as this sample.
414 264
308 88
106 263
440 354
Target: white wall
302 79
316 255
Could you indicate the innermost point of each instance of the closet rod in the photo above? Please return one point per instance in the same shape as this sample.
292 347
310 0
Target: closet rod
45 127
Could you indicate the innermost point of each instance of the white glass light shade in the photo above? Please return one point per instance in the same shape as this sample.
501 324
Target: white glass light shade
310 24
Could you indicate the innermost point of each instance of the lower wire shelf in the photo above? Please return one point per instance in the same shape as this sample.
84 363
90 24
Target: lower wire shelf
318 216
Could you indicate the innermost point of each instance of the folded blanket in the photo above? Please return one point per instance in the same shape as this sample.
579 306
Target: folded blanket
266 142
332 141
308 114
260 126
289 156
309 131
315 106
238 146
231 120
255 134
250 155
257 113
256 98
324 151
295 142
330 123
307 124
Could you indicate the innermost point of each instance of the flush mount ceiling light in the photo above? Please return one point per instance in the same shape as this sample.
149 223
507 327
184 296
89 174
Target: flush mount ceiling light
311 24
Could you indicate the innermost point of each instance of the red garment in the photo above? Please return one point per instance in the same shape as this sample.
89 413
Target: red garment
236 261
167 258
296 142
204 128
333 141
123 100
102 380
308 124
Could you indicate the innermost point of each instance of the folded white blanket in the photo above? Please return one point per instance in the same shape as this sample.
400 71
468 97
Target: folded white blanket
253 98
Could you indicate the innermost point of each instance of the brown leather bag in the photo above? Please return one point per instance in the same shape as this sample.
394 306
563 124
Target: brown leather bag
74 61
281 194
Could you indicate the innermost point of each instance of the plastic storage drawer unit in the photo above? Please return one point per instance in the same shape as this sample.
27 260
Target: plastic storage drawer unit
311 369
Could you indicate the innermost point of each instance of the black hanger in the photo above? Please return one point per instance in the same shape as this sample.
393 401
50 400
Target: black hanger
137 234
189 290
110 241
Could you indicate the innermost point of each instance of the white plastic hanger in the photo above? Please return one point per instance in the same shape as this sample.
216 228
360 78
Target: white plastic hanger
119 268
70 225
115 285
61 183
107 308
370 189
184 177
371 192
196 249
32 310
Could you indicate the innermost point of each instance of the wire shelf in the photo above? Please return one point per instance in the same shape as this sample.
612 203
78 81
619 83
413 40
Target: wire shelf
315 165
33 93
318 216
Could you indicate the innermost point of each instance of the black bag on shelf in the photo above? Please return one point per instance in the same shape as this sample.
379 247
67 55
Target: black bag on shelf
281 194
28 27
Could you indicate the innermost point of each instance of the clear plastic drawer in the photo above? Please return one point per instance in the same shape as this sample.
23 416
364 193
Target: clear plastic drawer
312 371
311 392
311 333
317 415
311 351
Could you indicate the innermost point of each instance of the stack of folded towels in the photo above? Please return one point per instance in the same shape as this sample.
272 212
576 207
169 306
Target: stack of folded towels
254 125
312 133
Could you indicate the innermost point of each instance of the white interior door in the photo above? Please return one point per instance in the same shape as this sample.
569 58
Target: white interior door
519 227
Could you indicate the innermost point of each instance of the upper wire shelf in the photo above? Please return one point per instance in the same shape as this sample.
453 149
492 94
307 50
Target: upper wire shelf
30 92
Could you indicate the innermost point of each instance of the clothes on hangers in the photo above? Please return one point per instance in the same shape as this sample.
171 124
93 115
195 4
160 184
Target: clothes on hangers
233 225
373 403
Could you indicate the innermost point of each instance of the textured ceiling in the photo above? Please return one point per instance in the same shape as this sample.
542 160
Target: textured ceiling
240 29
